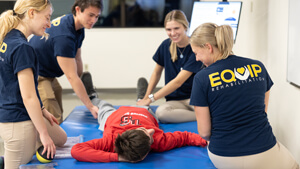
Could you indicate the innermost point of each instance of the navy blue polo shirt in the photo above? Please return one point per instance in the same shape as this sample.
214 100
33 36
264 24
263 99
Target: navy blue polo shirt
234 90
188 62
63 41
15 55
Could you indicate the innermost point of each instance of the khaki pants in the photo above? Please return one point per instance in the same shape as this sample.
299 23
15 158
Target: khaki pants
51 95
176 111
21 140
278 157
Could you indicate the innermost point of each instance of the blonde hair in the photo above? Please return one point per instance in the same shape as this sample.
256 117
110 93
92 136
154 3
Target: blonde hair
219 36
10 19
178 16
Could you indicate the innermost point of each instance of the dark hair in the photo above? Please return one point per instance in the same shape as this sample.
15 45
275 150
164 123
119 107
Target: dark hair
133 145
83 4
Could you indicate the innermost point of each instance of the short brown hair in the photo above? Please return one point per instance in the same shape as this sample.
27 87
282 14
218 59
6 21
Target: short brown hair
83 4
133 145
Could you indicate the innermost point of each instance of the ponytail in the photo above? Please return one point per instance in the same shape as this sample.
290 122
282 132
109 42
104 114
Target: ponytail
219 36
224 39
9 20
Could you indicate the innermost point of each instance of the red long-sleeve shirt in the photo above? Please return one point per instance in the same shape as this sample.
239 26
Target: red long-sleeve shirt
126 118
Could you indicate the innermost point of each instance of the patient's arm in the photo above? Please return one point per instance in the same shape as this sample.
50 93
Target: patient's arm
97 150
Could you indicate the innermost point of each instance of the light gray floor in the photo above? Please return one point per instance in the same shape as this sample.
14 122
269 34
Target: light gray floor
113 96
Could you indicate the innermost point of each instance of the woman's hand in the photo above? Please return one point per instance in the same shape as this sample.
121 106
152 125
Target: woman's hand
48 145
49 117
144 102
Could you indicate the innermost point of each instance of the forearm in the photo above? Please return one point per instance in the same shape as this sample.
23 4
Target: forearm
203 121
31 101
154 79
173 85
80 91
167 89
79 68
179 139
92 151
267 95
79 62
33 108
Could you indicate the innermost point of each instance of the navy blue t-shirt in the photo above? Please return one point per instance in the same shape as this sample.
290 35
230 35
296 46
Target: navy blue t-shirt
63 41
15 55
234 90
188 62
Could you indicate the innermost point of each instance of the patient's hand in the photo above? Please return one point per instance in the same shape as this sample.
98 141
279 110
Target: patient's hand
122 159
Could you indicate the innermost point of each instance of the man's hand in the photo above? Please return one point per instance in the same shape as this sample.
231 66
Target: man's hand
94 110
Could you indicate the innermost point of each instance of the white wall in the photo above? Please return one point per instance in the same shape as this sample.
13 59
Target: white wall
117 57
284 105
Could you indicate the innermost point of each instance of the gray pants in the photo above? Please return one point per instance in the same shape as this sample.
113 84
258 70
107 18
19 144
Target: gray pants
106 109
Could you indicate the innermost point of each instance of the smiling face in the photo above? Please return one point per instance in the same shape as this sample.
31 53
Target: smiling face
203 54
176 31
87 18
40 20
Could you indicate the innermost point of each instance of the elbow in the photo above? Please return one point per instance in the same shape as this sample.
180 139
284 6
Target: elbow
205 135
72 78
27 99
69 77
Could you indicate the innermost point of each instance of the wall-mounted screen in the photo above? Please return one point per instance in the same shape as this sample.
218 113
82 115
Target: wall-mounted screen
220 13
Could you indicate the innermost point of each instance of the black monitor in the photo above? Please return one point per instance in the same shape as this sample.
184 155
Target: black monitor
6 5
220 13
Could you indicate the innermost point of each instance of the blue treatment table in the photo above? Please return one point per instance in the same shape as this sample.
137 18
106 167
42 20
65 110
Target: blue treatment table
81 122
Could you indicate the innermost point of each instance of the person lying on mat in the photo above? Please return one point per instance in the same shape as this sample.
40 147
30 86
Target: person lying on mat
129 133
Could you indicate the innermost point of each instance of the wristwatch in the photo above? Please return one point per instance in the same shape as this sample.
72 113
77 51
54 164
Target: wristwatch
151 97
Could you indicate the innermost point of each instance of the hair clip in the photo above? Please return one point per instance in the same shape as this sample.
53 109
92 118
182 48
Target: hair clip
14 13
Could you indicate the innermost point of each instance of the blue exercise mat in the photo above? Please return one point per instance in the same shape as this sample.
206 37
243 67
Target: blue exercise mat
81 122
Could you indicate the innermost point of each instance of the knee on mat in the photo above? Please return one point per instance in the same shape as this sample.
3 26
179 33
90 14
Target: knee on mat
163 114
62 139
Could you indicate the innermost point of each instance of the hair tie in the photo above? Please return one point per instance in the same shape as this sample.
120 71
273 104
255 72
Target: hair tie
14 13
